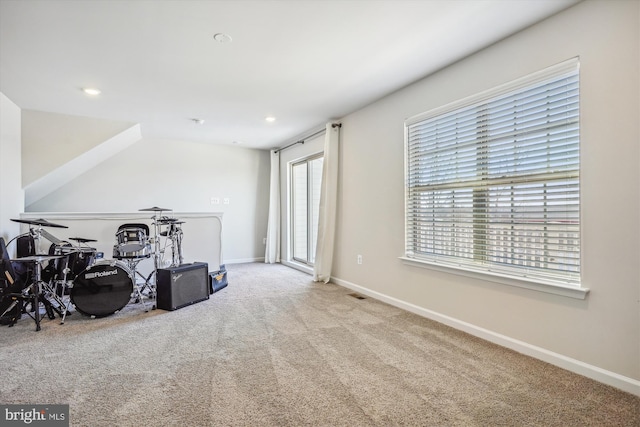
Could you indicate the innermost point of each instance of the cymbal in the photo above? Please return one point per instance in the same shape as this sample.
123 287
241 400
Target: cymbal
37 258
82 239
41 222
167 220
154 209
67 250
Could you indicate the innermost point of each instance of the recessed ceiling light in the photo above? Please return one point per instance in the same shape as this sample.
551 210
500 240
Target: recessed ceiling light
270 119
198 121
222 38
91 91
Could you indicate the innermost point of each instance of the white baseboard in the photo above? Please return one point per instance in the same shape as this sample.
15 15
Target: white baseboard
621 382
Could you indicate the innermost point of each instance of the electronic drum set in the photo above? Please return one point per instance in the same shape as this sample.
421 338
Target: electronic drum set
76 275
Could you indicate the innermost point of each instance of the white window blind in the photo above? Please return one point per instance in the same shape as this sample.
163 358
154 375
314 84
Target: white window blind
493 183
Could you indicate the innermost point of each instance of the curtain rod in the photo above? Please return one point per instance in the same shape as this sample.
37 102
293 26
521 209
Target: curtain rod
301 141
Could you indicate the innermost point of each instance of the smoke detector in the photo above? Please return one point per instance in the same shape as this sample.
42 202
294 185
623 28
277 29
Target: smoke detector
222 38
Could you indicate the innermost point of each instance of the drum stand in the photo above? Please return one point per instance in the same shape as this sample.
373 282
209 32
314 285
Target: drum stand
61 285
176 246
174 235
38 290
132 263
156 242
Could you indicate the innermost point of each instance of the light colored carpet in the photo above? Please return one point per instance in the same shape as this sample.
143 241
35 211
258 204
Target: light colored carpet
276 349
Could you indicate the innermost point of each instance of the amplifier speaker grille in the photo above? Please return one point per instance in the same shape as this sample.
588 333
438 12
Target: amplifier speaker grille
181 286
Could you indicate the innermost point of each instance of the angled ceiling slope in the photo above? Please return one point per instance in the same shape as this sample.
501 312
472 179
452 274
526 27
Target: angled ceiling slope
80 164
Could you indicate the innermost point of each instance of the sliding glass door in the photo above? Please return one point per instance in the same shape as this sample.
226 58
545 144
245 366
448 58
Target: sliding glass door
306 177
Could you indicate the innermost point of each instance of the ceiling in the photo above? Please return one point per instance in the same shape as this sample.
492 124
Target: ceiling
304 62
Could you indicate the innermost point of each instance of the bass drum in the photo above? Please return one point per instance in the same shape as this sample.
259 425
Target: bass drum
102 289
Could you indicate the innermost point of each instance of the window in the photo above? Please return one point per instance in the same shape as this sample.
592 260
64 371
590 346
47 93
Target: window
493 183
306 177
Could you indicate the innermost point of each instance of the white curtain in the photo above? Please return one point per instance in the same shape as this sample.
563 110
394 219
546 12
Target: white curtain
328 206
272 251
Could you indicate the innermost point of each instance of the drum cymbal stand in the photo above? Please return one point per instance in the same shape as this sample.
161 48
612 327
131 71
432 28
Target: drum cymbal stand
157 213
177 245
149 282
37 291
174 233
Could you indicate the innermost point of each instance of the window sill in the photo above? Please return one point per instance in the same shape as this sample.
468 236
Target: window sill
550 288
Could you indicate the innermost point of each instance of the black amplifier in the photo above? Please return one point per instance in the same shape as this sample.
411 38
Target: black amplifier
183 285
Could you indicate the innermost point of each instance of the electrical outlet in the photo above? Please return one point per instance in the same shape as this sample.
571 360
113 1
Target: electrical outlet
226 201
359 259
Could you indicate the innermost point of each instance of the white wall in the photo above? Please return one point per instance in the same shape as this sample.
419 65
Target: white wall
603 330
182 176
11 194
